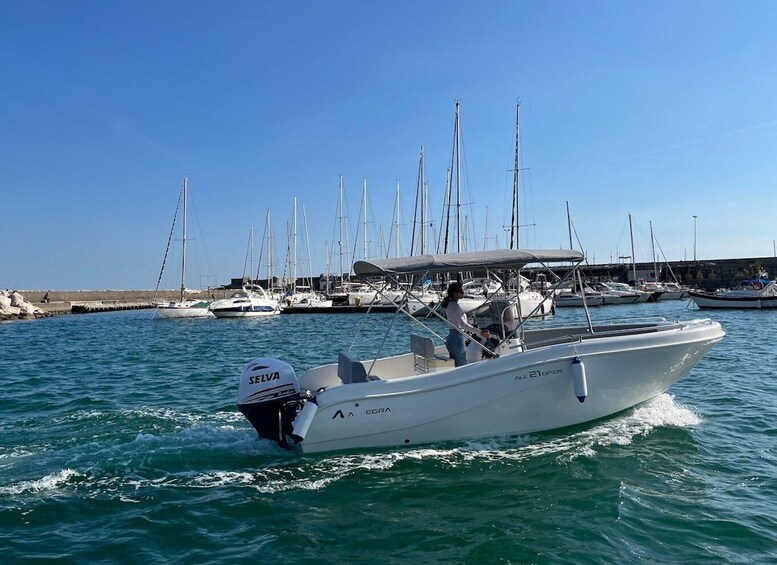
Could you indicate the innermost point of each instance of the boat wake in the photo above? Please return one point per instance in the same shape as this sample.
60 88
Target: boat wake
318 472
184 456
45 485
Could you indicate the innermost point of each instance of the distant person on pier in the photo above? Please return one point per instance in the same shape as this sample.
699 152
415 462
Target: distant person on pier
458 320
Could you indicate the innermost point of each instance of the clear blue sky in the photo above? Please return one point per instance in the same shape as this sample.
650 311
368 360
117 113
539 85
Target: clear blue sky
664 110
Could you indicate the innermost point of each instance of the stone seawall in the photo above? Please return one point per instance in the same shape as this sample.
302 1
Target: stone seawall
36 296
84 301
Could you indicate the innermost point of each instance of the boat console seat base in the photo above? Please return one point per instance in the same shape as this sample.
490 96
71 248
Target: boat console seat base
424 357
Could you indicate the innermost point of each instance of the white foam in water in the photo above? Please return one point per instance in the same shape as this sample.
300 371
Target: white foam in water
48 483
166 414
662 411
210 437
290 471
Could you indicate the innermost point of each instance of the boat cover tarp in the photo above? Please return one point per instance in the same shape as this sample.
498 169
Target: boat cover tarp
497 260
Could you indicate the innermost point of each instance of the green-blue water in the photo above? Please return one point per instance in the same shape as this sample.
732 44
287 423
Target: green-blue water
120 442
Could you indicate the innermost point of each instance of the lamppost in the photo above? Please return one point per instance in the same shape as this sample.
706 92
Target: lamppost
694 238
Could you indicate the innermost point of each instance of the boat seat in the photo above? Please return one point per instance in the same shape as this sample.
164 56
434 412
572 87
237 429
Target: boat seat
351 370
424 357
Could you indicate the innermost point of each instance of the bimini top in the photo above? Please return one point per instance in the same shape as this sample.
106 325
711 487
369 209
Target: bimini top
502 259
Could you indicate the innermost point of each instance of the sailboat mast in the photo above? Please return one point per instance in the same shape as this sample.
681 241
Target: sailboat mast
249 259
364 206
653 247
340 233
423 204
183 250
569 226
397 242
515 224
446 209
307 245
633 257
270 257
294 248
485 233
458 178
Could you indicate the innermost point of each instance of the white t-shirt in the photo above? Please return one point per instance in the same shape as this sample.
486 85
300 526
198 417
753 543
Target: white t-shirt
458 318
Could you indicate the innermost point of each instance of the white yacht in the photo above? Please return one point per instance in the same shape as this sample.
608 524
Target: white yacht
623 288
611 295
251 300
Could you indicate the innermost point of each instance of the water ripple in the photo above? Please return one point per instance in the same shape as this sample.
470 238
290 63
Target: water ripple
128 427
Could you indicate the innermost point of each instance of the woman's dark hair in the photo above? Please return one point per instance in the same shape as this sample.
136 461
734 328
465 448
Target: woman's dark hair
453 288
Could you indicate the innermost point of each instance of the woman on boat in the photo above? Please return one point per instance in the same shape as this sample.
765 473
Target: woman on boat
459 325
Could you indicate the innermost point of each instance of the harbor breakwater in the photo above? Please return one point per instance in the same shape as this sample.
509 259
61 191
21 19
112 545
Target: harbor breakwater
86 301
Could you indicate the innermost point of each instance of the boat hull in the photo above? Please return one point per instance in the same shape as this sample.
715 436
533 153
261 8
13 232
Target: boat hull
671 295
709 301
171 313
521 393
185 309
610 299
245 311
576 301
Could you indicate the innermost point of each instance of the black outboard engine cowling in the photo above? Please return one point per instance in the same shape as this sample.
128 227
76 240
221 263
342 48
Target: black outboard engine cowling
269 396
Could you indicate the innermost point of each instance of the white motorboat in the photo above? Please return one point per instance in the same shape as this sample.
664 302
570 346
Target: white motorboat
422 302
363 295
568 298
526 381
611 295
672 291
623 288
306 299
751 293
252 300
183 308
663 291
531 301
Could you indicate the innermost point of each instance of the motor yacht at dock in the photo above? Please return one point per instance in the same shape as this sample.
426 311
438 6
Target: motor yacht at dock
250 301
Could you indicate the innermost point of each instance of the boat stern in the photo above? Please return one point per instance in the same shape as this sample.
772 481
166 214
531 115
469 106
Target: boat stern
269 397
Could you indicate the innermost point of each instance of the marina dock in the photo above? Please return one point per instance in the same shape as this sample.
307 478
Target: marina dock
88 302
343 309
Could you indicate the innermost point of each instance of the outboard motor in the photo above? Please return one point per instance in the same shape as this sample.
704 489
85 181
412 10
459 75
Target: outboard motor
269 396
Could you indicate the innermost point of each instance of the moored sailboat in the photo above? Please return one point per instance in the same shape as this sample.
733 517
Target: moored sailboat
183 307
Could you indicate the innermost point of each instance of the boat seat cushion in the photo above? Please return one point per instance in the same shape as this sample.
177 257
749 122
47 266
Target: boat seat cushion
350 370
424 347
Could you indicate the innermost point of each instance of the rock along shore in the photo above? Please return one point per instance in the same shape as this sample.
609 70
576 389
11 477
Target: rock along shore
13 306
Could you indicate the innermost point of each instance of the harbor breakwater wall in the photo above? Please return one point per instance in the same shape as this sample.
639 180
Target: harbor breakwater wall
85 301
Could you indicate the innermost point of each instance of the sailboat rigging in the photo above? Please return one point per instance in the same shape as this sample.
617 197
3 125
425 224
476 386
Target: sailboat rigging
183 308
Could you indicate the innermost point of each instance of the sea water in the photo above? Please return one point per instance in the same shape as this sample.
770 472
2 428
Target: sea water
120 441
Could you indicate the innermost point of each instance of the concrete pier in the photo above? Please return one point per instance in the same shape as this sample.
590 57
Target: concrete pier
89 301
